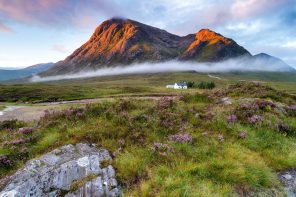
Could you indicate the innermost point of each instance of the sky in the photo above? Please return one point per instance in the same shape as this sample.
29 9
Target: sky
40 31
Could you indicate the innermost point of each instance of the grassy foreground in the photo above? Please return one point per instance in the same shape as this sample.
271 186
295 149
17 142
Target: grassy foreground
193 145
132 85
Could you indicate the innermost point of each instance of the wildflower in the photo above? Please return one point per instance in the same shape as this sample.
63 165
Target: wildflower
4 161
165 103
292 107
162 149
26 130
17 141
182 138
232 118
262 104
255 119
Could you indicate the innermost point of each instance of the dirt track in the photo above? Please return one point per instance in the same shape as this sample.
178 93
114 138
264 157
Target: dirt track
35 111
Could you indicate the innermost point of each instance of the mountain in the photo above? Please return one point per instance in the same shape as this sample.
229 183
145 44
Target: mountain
271 62
124 41
210 46
6 74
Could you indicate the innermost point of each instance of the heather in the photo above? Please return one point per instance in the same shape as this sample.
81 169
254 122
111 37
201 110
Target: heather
173 146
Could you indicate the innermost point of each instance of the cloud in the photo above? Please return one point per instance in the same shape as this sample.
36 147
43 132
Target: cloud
238 64
251 22
289 44
253 8
60 48
4 28
55 13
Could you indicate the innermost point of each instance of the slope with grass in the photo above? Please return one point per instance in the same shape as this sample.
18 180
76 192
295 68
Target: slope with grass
193 144
133 85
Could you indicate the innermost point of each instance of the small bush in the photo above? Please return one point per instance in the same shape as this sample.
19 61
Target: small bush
10 124
201 85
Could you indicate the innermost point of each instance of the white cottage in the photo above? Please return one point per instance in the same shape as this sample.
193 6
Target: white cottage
180 85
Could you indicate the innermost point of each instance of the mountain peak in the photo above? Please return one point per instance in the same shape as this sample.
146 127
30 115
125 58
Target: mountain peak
207 35
124 41
211 46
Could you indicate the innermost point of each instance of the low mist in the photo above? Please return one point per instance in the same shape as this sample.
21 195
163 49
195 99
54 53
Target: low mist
240 64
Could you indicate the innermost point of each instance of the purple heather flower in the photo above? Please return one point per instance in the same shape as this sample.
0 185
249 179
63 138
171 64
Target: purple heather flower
5 161
182 138
232 118
15 142
26 130
255 118
292 107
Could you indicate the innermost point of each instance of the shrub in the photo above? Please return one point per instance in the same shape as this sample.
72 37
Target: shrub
162 149
201 85
190 84
9 124
25 130
182 138
291 110
255 119
232 118
165 103
206 85
5 162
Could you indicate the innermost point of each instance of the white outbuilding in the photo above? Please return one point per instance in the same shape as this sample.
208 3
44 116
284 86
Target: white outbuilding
179 85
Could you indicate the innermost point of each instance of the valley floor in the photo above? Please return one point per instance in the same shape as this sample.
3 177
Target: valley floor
224 142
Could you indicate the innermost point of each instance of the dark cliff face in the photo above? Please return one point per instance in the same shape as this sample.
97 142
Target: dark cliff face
124 41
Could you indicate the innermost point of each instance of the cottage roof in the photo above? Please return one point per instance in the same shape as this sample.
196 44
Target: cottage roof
181 83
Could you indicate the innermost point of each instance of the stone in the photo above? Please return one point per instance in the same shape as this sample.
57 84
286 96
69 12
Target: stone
226 101
55 173
288 178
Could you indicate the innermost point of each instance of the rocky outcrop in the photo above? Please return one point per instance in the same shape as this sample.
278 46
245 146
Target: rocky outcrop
68 171
288 178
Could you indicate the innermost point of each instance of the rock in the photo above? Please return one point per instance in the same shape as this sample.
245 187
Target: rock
288 178
226 101
55 173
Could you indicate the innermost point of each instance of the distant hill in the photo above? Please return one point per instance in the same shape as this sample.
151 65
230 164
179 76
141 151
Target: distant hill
272 62
124 41
6 74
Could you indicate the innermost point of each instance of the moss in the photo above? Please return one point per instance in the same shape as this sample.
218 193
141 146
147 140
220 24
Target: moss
77 184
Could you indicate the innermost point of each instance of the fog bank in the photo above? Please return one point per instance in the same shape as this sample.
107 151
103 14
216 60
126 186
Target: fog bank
240 64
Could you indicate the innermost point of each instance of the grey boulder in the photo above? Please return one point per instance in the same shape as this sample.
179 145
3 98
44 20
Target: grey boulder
68 171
